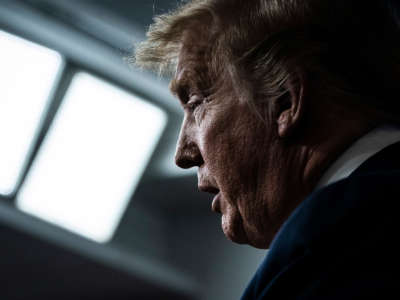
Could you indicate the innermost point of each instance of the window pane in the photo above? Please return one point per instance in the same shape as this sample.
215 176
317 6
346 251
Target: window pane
92 158
27 74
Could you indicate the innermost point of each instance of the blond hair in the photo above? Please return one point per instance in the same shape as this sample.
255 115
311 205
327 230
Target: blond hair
349 48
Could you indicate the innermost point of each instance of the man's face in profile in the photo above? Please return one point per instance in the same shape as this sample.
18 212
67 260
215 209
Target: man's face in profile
236 154
272 96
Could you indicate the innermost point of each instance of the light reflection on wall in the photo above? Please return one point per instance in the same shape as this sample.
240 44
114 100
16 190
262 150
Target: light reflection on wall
92 158
27 74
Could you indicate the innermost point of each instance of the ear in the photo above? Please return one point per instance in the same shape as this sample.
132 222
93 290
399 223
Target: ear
290 107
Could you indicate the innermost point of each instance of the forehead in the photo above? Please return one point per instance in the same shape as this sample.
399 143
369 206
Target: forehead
192 63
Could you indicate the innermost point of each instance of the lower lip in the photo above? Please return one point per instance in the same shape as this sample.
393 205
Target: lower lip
215 206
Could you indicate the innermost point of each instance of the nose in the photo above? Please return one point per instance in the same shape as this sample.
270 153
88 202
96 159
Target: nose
187 154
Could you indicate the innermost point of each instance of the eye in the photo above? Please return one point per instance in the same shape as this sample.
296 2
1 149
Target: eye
194 102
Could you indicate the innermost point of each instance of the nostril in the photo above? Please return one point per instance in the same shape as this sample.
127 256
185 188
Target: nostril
183 163
188 160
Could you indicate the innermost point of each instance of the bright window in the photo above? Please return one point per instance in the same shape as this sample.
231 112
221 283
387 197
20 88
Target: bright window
27 75
92 158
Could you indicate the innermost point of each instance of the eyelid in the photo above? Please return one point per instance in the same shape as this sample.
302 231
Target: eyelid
194 101
194 95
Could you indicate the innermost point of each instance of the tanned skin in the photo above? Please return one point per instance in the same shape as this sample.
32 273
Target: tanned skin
259 170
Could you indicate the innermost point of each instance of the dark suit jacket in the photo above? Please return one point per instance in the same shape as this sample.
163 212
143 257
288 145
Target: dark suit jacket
340 243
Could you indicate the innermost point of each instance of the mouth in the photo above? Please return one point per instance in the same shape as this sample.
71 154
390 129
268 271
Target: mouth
215 206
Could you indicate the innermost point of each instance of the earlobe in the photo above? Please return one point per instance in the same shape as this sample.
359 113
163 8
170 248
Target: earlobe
291 108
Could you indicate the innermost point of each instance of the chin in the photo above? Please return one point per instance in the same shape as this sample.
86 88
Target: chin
234 230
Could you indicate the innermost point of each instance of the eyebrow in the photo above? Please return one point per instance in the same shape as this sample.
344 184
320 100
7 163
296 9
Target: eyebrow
173 86
178 87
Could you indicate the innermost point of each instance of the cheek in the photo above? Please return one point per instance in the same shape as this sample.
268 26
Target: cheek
233 147
215 141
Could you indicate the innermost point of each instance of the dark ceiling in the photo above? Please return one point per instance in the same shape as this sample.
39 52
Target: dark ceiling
140 12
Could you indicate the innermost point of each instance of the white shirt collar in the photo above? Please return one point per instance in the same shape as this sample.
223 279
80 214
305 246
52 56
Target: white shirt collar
360 151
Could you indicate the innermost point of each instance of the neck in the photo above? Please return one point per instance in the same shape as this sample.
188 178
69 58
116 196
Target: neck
319 156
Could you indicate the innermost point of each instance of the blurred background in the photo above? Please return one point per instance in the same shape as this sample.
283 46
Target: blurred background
91 203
